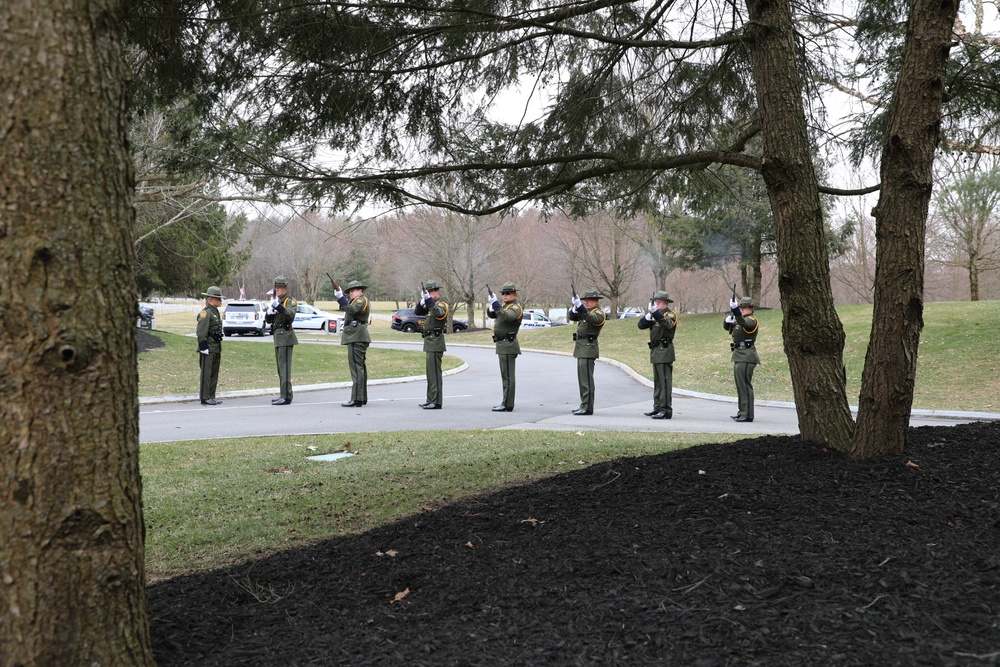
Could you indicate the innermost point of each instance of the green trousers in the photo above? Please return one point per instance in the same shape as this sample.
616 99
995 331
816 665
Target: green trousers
435 383
743 373
507 366
283 355
356 355
585 376
209 364
663 388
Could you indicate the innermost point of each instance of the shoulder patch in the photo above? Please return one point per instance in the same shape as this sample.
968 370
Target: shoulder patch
202 315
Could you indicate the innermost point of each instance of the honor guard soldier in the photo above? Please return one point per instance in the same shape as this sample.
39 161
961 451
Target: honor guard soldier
357 315
743 327
209 333
508 321
590 319
281 316
435 313
662 325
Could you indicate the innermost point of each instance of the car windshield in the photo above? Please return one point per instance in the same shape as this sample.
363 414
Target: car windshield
240 308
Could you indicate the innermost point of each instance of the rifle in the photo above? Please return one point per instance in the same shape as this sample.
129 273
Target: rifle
333 282
488 290
734 291
573 290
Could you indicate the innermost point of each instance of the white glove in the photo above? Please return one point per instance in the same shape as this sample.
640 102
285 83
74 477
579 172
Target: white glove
649 316
491 297
271 311
576 302
425 295
339 293
274 302
495 304
734 304
203 351
730 320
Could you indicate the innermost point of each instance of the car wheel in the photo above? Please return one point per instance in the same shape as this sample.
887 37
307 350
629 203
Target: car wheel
459 328
409 328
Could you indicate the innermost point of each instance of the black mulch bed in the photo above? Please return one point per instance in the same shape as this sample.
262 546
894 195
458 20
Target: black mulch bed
763 552
146 341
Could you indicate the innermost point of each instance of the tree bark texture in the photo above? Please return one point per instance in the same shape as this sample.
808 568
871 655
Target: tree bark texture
901 221
812 332
72 585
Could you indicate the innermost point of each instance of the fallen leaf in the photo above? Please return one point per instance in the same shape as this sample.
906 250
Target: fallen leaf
469 545
400 595
532 521
911 464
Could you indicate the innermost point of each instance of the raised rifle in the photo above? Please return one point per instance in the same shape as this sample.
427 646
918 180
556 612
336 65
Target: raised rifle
333 282
573 289
734 291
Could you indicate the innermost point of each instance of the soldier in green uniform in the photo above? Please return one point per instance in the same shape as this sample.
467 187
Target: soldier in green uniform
590 319
280 315
508 321
435 313
743 327
357 314
662 325
210 345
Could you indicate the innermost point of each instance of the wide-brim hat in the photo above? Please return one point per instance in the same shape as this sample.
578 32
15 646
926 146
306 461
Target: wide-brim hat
213 291
746 302
508 288
430 286
355 284
591 294
662 296
280 282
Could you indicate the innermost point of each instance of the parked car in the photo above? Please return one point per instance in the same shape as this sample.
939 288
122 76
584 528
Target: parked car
244 317
407 321
533 319
310 317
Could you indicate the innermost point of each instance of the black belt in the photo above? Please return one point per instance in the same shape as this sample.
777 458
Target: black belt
659 343
589 337
510 337
432 332
356 323
742 345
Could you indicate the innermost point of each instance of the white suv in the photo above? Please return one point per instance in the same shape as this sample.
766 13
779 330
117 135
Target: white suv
243 317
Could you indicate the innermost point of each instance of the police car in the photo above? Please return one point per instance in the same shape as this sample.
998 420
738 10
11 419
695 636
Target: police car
244 317
534 319
310 317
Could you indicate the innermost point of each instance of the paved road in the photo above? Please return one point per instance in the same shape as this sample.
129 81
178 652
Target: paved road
546 393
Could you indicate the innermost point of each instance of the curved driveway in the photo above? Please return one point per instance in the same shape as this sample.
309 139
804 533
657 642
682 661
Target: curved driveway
546 393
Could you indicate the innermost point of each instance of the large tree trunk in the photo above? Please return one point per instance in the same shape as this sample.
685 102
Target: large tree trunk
813 334
71 531
901 220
